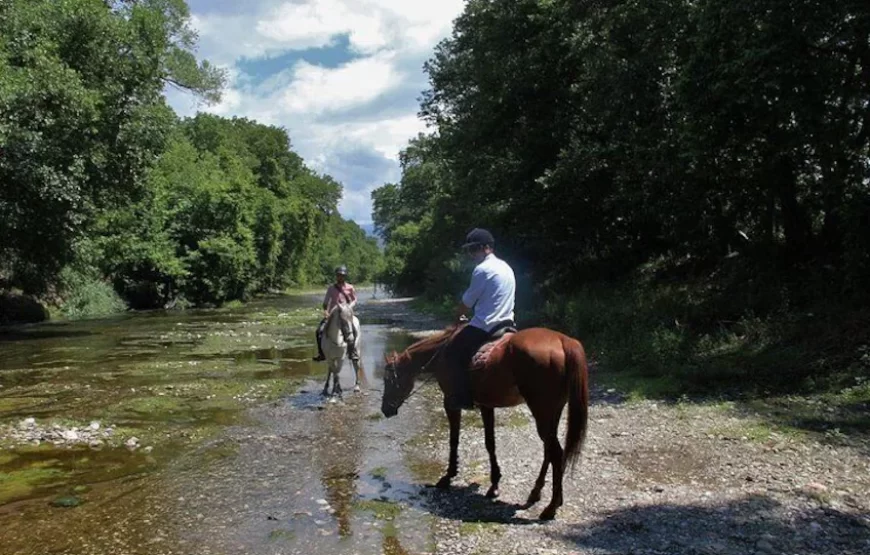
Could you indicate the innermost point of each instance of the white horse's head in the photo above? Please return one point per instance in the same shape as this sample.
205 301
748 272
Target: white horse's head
340 323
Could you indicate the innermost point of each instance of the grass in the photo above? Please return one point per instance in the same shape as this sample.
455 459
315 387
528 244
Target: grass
668 331
89 297
379 473
282 535
20 484
515 419
382 510
476 528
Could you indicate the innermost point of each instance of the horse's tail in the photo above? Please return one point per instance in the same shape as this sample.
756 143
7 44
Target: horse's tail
578 400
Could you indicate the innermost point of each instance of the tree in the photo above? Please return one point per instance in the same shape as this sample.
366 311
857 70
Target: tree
82 117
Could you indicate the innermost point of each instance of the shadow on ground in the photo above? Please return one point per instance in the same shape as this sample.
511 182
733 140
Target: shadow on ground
469 504
755 524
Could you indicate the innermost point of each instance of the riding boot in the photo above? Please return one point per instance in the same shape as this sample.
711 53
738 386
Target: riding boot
319 335
464 395
350 340
461 396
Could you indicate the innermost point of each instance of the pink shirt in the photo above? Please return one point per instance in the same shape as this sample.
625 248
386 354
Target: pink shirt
334 296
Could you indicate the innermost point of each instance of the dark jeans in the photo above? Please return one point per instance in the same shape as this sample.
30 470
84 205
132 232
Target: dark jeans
459 354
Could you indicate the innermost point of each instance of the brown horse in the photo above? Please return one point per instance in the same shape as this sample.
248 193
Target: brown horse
544 368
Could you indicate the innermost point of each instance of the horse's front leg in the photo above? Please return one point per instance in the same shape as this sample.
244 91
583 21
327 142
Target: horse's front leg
454 417
488 416
336 382
325 392
357 370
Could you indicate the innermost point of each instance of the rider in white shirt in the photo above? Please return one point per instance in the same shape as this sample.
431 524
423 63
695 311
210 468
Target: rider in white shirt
491 295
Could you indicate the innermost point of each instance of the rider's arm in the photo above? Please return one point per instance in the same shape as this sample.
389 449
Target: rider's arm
473 293
462 310
326 299
352 296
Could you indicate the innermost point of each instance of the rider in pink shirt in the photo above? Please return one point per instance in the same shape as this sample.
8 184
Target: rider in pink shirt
340 292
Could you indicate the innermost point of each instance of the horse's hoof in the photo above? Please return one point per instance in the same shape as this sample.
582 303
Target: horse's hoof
443 483
533 499
357 389
492 493
549 513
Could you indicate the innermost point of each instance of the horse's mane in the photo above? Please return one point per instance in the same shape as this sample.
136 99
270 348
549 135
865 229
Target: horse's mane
430 343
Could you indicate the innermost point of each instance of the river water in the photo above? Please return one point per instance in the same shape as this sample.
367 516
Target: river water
235 452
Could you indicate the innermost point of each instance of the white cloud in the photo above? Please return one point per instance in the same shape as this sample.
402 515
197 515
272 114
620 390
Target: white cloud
386 136
330 112
312 24
356 205
271 27
316 89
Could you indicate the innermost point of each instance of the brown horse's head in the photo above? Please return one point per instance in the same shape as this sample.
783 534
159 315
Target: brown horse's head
398 383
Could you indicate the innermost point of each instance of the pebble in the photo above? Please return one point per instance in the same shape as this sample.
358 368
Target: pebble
70 435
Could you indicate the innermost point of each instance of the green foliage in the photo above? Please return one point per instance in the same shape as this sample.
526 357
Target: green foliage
99 179
227 214
591 137
88 296
712 335
684 180
81 118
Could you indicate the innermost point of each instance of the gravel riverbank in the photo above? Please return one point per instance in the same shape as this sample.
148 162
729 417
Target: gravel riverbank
654 479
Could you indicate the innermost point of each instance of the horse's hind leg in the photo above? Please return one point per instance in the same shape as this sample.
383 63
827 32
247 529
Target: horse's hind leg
547 422
535 495
488 416
555 452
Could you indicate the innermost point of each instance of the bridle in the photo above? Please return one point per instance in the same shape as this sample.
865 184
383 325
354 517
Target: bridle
391 375
336 313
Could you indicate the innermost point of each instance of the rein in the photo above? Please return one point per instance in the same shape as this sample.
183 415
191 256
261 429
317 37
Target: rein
423 369
334 314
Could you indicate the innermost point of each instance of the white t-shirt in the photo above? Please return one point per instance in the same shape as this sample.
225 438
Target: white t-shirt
491 293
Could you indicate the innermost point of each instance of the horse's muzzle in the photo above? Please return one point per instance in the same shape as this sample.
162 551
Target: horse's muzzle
390 411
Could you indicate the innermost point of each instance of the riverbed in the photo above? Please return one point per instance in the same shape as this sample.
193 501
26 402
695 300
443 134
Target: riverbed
236 453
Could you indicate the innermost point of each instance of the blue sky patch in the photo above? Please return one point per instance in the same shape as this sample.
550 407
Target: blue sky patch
332 56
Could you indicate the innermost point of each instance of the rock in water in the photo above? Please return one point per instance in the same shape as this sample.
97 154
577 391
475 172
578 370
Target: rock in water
67 501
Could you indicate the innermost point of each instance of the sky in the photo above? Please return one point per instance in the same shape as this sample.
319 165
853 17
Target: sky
342 76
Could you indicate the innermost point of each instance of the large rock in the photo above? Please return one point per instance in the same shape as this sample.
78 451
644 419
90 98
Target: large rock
17 308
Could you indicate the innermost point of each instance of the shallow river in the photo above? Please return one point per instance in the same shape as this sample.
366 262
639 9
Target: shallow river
202 432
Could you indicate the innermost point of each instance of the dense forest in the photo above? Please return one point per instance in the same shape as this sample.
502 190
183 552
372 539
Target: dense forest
684 184
108 199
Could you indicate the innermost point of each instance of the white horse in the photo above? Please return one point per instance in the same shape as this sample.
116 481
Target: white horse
339 323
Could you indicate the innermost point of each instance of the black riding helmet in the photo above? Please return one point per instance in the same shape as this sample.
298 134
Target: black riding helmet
341 270
478 237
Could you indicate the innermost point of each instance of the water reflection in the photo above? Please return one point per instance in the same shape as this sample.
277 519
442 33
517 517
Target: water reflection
338 453
290 479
